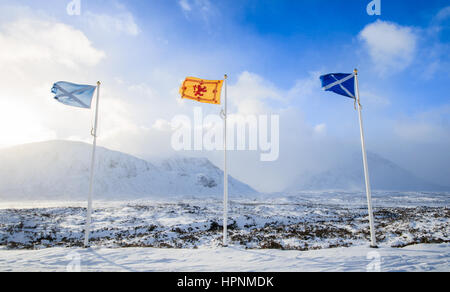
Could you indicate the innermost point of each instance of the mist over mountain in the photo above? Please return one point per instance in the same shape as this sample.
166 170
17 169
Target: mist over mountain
60 170
349 175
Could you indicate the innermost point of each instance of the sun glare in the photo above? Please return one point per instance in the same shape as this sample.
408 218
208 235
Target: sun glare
20 124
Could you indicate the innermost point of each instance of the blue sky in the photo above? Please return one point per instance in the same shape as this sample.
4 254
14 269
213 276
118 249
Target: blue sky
141 50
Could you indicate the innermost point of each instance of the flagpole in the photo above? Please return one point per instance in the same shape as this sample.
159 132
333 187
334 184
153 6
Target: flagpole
225 171
366 168
91 180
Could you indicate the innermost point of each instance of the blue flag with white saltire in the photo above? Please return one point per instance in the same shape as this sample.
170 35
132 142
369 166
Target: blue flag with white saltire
74 94
340 83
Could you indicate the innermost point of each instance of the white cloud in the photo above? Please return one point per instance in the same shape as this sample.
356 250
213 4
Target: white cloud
205 5
431 126
32 40
374 100
185 6
416 131
252 93
434 55
391 47
120 23
201 9
443 14
199 5
305 89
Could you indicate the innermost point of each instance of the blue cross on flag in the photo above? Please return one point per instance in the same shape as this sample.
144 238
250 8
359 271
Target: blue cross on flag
340 83
74 94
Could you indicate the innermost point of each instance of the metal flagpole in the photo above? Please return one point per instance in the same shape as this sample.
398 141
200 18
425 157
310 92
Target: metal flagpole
366 168
91 180
225 171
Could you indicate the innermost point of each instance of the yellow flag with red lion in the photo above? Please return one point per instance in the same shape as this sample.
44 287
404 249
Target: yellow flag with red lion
202 90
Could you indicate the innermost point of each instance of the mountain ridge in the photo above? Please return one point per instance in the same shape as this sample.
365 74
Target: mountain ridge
60 170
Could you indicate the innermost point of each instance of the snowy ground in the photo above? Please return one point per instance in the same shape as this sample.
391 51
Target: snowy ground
431 257
302 222
305 231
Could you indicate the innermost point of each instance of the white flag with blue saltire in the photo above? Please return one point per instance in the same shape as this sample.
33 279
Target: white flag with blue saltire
74 94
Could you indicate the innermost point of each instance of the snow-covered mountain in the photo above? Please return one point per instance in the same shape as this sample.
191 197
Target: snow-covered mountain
60 170
193 175
349 175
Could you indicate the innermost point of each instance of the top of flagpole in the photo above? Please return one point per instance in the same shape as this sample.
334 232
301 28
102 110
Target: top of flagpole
226 76
357 89
98 83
